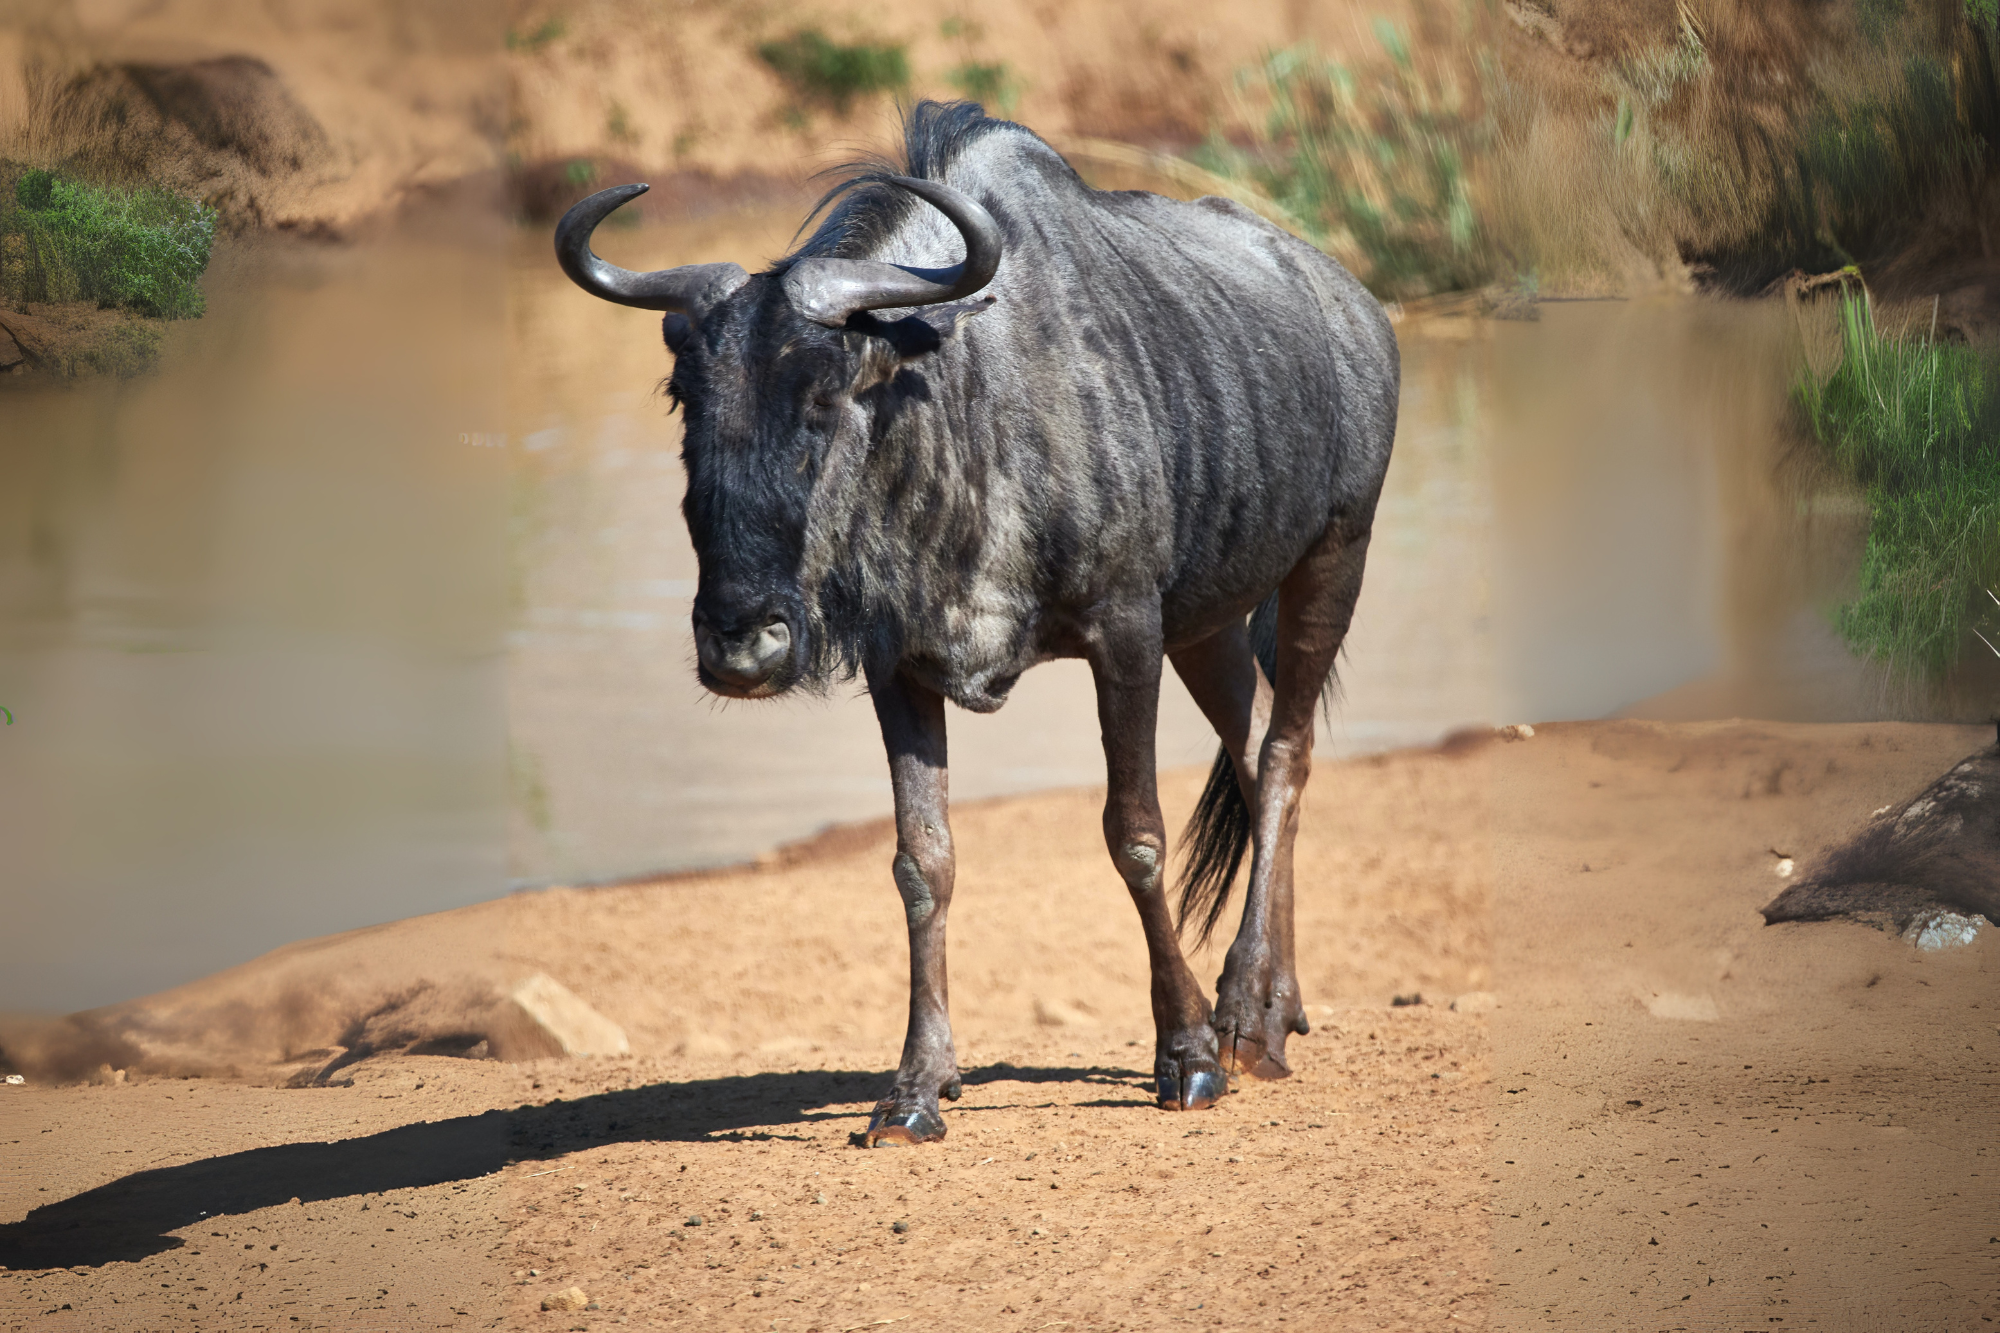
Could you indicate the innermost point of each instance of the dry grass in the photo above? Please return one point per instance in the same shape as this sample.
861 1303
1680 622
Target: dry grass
1577 146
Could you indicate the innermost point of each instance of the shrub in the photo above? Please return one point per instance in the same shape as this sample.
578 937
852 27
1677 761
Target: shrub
992 85
1918 423
1380 168
550 30
831 74
142 249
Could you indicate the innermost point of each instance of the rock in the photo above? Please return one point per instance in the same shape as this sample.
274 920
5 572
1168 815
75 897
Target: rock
1939 929
540 1017
1515 731
1406 1001
573 1299
1939 852
703 1044
1682 1008
1056 1014
1476 1002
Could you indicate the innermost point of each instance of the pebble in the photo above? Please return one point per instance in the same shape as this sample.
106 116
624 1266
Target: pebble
1516 731
693 1221
899 1227
573 1299
1476 1002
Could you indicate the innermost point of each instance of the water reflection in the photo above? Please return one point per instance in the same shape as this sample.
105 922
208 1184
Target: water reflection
250 627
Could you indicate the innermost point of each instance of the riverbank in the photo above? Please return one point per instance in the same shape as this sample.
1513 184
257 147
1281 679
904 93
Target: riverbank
1672 1109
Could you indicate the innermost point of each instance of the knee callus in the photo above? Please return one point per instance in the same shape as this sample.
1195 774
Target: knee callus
918 901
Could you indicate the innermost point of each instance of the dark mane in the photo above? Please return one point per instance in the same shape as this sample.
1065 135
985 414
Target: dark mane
861 211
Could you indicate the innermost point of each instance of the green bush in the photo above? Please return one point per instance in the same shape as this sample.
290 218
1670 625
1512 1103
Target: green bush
1380 167
831 74
551 30
992 85
141 249
1918 423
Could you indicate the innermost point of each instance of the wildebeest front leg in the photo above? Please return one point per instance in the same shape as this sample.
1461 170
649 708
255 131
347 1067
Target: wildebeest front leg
913 730
1127 670
1257 1003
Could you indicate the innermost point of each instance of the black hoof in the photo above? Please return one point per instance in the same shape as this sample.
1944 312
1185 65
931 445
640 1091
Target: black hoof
1193 1089
953 1090
902 1124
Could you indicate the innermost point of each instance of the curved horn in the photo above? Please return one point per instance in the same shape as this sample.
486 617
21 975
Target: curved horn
827 291
688 290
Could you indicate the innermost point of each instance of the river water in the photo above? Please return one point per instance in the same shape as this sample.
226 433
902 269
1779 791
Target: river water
374 600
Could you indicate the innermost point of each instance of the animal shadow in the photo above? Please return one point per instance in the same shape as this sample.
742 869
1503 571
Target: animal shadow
129 1219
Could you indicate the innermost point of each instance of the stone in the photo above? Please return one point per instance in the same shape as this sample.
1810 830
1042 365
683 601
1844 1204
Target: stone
539 1017
1938 852
1056 1014
572 1299
1941 929
1476 1002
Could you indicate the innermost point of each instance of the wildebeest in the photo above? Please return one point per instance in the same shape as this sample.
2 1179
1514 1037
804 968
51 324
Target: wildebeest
987 416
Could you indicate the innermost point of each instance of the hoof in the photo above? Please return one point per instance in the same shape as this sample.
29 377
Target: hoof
902 1124
1192 1089
1252 1058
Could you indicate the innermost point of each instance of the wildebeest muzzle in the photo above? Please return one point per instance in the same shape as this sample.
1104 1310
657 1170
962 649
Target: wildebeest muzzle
747 656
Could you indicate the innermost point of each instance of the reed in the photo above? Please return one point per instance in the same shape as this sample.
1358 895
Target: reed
1917 422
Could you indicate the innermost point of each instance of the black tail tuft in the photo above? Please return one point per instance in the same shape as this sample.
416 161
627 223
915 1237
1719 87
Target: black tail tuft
1218 832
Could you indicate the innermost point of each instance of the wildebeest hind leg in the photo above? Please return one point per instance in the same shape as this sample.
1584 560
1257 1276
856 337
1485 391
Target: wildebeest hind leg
1127 670
1258 1004
913 731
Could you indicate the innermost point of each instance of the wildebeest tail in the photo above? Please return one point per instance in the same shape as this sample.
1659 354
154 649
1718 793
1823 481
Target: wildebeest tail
1218 832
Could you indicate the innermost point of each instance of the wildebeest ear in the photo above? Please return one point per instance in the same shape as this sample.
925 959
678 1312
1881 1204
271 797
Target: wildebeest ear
676 328
944 320
893 344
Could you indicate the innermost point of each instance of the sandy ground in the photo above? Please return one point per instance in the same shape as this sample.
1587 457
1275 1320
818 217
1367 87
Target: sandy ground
1676 1119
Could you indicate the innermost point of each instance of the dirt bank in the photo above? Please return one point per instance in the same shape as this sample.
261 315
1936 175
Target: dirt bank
1676 1118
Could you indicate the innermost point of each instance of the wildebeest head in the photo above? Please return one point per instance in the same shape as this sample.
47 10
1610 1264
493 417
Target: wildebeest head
773 372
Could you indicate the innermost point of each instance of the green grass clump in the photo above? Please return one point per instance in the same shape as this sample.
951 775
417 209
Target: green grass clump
1380 167
550 30
989 83
1918 423
833 74
141 249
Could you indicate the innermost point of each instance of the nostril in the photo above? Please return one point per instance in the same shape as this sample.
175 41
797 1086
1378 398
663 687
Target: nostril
773 642
744 659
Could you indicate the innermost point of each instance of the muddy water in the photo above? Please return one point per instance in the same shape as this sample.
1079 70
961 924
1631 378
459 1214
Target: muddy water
374 600
1585 515
251 627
